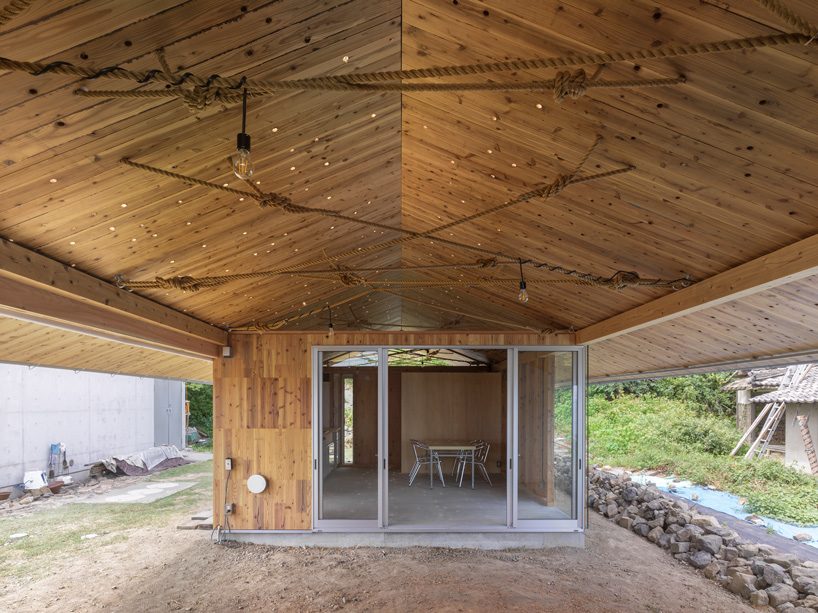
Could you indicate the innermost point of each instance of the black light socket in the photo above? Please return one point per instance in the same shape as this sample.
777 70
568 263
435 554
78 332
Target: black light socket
243 141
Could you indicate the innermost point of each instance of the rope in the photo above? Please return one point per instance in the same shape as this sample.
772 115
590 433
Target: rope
429 304
639 55
275 325
285 204
12 9
374 79
564 85
781 10
264 199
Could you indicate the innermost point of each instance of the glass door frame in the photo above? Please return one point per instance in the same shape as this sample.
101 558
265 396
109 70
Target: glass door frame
579 384
317 375
513 523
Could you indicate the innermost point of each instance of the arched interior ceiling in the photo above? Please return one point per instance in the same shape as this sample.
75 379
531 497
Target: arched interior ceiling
724 164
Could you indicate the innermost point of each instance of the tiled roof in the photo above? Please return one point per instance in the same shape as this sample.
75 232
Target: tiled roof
805 392
761 378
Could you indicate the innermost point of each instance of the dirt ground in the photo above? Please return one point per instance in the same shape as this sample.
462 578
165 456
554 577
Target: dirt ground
156 567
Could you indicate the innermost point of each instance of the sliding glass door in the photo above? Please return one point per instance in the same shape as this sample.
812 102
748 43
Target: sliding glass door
549 442
347 425
418 438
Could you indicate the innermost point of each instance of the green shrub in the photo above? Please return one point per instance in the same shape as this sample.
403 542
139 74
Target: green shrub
655 433
200 396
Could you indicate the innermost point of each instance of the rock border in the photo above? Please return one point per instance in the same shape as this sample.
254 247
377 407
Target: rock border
756 572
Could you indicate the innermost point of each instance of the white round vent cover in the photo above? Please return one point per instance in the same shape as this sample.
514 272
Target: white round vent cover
256 484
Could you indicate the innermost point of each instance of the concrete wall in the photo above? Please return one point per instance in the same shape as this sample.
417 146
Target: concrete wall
795 453
94 415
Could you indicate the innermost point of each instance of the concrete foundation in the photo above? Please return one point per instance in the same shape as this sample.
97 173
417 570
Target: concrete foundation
511 539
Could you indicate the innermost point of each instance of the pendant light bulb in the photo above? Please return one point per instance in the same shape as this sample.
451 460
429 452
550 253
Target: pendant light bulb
330 327
242 162
523 295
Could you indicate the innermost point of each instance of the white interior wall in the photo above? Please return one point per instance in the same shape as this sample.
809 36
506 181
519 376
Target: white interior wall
95 415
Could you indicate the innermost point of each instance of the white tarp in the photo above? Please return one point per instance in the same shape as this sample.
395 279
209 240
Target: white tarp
147 459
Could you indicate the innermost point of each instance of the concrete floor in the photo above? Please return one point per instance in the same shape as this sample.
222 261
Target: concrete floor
352 493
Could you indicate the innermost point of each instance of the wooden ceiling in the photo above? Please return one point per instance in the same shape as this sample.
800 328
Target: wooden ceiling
38 345
725 164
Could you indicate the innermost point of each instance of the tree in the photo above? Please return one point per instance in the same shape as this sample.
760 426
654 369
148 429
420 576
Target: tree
200 396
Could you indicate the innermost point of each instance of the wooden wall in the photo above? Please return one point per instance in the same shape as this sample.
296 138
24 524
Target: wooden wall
440 406
263 413
536 426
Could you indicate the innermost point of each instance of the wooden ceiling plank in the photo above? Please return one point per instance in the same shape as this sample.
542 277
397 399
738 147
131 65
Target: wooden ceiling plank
785 265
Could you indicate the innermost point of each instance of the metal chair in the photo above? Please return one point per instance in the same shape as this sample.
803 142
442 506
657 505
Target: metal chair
424 457
481 454
462 456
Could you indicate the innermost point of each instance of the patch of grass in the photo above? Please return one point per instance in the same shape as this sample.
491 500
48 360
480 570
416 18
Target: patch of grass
660 434
58 531
208 446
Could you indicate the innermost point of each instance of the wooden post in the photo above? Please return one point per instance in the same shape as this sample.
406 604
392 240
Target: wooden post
744 410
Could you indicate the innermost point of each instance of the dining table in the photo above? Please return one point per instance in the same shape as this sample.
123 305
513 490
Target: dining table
450 449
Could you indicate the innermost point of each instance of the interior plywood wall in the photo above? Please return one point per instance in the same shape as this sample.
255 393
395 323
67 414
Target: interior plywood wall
263 417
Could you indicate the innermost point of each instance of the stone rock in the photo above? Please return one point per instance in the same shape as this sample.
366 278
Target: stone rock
25 499
710 543
800 609
805 585
17 536
704 521
811 601
742 584
700 559
689 532
774 574
629 494
650 493
755 519
804 571
748 550
784 560
611 509
625 522
657 504
759 599
712 570
655 534
802 537
680 547
781 593
641 529
664 541
694 497
787 606
729 553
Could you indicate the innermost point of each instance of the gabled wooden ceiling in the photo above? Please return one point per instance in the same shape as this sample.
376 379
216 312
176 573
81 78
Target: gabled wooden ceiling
725 164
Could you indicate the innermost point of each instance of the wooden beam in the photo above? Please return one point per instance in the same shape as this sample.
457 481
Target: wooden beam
785 265
34 285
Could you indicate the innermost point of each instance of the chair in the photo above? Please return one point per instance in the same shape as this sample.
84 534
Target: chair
463 456
481 454
424 457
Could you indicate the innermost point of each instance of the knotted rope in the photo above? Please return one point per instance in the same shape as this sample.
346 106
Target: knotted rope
793 19
564 85
264 199
286 205
391 80
12 9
